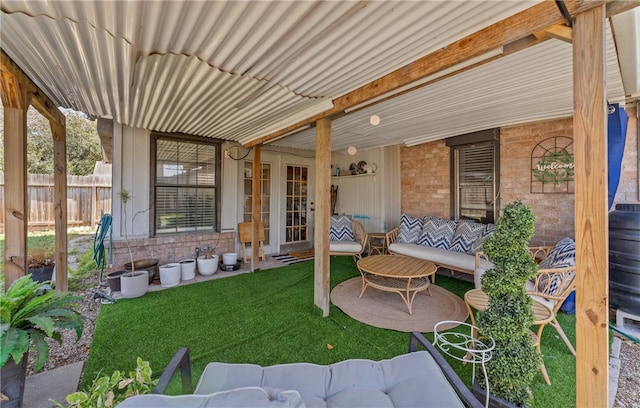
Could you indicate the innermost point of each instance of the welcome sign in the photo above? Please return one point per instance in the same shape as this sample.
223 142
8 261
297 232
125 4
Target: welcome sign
552 166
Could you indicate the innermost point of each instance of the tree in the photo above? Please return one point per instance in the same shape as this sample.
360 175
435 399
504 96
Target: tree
83 143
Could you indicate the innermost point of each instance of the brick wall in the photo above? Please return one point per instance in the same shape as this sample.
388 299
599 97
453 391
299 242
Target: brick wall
425 185
425 172
554 211
171 248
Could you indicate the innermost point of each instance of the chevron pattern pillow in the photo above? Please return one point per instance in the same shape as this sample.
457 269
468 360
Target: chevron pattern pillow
562 255
341 229
410 228
437 233
487 232
465 235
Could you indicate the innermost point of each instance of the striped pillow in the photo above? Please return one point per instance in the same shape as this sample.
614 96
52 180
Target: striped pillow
465 235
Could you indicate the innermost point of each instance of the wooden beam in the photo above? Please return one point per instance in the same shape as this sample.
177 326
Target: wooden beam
60 202
16 205
560 32
255 210
501 34
591 212
38 99
322 215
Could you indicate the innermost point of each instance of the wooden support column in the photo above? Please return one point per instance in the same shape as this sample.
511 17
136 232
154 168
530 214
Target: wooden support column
60 202
255 210
16 205
591 212
322 215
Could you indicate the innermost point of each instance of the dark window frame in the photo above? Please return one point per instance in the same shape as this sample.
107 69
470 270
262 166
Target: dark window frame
182 138
491 136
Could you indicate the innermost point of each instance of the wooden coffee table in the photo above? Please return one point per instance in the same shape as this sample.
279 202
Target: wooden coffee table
403 275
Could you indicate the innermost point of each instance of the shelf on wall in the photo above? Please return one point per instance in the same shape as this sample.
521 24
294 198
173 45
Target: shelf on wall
354 175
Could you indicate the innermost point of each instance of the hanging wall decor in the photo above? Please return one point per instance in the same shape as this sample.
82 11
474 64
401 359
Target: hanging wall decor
552 167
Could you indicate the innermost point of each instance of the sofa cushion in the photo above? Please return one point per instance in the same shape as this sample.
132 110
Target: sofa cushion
237 397
465 235
410 228
412 379
439 256
437 233
341 228
345 246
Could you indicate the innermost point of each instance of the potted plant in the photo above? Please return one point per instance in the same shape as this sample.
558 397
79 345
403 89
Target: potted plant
208 262
30 313
135 283
111 390
509 315
40 264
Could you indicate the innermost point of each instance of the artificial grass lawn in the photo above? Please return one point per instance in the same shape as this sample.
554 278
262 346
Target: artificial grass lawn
268 317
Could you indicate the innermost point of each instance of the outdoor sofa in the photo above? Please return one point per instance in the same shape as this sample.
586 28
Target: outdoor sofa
416 379
449 244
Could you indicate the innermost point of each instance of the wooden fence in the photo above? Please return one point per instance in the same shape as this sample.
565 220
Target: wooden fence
88 197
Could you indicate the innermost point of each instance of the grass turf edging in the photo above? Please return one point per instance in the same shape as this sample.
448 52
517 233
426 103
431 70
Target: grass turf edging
268 317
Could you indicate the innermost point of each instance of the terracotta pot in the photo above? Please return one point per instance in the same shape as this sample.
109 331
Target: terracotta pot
13 379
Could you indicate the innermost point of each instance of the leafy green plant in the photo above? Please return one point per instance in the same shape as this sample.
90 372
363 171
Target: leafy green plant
110 390
509 315
30 312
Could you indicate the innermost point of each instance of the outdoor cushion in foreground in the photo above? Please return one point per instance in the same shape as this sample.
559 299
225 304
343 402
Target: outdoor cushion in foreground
408 380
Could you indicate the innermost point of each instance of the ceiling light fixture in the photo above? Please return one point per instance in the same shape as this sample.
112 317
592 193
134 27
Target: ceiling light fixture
352 150
374 120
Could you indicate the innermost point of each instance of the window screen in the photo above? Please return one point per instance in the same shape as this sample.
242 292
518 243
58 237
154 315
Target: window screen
186 185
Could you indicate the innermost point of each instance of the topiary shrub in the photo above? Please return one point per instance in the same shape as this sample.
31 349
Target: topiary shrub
509 315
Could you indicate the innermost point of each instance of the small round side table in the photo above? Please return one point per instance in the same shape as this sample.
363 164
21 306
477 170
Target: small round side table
466 348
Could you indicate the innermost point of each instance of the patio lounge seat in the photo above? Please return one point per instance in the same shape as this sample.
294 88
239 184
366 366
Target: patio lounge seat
418 378
346 237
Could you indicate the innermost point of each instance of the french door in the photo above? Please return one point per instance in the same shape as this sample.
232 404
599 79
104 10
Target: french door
296 227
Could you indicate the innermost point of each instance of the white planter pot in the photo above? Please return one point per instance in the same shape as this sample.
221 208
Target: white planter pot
170 275
209 266
230 259
134 286
187 269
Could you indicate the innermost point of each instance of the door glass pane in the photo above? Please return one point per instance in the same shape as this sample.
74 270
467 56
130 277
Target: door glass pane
265 195
296 211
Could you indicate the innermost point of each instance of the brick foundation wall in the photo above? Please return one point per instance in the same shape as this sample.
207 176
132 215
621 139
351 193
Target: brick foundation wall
171 248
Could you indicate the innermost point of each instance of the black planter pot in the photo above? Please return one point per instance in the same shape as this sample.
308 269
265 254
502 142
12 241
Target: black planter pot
494 402
13 378
113 279
41 273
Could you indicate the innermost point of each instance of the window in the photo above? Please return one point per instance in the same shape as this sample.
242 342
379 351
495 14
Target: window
475 176
185 184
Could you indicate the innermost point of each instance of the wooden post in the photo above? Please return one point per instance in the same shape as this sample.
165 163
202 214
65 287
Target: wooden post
323 204
255 210
591 212
60 202
16 204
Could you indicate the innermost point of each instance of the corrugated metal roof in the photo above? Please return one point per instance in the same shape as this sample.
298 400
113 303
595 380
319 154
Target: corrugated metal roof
530 85
237 69
226 69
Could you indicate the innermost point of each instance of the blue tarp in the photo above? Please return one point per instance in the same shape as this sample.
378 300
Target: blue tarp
617 133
